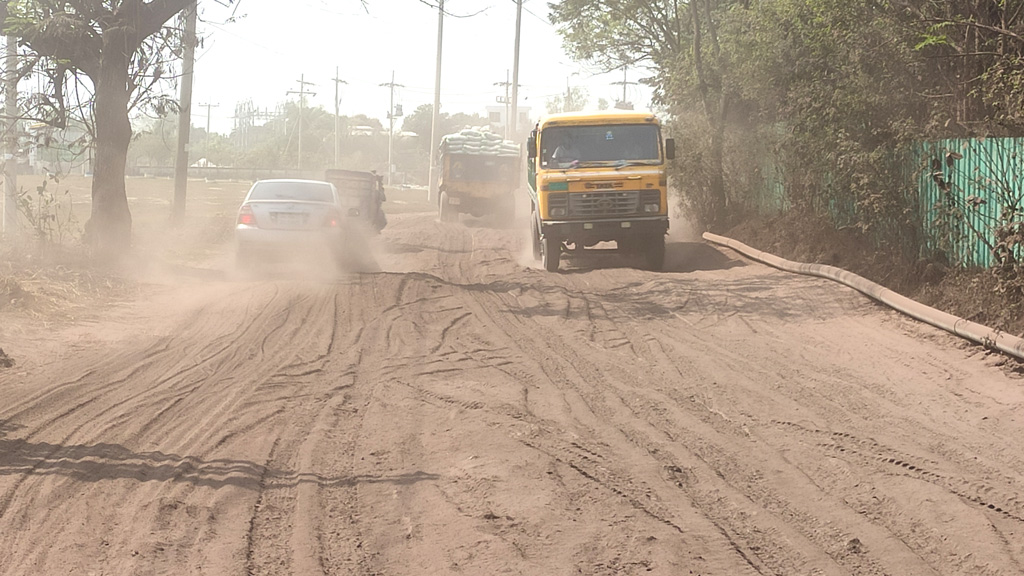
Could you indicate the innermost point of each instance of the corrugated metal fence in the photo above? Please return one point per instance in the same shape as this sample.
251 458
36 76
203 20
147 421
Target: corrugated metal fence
963 187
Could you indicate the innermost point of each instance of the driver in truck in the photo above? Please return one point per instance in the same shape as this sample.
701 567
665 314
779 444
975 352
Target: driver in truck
566 153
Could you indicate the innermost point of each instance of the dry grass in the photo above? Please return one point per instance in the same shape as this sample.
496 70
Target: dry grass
49 281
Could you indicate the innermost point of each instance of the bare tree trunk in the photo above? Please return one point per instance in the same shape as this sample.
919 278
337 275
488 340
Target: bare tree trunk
109 228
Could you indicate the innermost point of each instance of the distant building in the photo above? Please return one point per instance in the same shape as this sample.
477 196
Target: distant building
496 118
362 131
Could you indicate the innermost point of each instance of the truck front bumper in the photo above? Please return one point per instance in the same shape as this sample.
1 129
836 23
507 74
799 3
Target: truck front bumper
589 232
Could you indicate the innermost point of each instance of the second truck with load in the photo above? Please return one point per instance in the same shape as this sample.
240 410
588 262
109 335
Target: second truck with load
479 175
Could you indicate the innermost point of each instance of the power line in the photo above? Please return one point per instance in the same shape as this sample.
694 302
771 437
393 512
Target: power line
206 139
391 123
624 104
302 106
337 119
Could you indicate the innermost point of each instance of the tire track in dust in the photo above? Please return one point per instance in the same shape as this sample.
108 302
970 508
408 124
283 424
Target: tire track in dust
227 405
766 500
306 521
820 535
1003 501
597 392
635 494
754 555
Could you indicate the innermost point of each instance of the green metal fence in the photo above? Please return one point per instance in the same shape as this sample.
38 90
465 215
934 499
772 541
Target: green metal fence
962 188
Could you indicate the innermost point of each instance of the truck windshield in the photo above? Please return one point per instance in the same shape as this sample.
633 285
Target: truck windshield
568 146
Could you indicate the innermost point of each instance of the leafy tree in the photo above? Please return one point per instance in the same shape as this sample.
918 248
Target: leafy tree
421 118
154 142
417 159
973 61
120 49
680 41
829 90
274 144
574 100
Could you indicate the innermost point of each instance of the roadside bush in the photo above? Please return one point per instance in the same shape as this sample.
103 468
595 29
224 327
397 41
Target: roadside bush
49 213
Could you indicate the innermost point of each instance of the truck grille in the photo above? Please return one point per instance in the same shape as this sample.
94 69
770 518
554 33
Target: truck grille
604 204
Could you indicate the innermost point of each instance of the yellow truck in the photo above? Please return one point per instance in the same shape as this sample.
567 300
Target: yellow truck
599 177
479 175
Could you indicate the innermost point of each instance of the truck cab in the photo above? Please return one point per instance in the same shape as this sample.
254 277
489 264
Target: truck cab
599 177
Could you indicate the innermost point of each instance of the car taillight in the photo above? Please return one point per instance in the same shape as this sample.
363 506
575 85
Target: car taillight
246 217
332 219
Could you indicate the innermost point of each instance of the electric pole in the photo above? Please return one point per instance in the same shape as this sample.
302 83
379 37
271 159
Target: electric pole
505 101
184 115
206 151
302 107
391 125
623 104
337 116
10 140
435 120
515 73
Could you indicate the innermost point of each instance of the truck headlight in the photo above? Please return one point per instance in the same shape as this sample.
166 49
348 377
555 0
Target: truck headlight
652 208
557 212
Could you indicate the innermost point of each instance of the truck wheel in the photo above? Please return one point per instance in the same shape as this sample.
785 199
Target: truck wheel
535 237
444 210
654 254
551 252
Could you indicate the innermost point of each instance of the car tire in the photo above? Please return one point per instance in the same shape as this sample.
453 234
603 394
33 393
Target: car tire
551 253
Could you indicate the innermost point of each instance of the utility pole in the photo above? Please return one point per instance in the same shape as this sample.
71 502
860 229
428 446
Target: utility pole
184 116
391 125
623 104
567 105
505 101
515 73
337 116
435 120
302 107
206 151
243 118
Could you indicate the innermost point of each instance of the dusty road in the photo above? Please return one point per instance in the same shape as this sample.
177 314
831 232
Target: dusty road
459 412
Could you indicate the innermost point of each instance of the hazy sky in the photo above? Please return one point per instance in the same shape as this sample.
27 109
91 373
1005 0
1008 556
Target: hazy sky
272 43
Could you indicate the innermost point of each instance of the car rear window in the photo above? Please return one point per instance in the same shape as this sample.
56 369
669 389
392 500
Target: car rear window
304 191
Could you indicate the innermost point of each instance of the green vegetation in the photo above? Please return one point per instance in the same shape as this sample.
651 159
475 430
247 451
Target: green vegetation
101 60
821 98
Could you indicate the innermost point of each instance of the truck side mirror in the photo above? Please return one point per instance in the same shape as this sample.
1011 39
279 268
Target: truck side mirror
531 147
670 148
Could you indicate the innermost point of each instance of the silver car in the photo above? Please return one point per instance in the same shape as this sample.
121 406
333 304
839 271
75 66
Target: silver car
289 219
